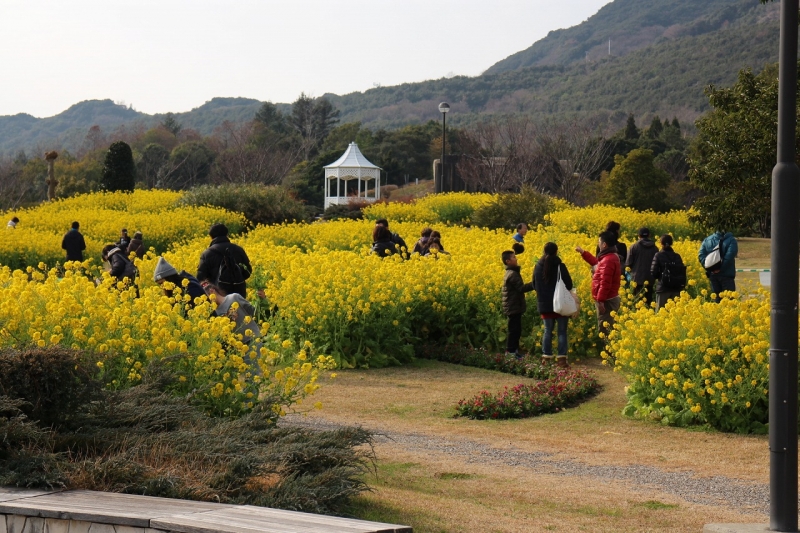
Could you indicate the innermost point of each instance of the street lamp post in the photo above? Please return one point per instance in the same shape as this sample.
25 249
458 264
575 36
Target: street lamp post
444 107
783 298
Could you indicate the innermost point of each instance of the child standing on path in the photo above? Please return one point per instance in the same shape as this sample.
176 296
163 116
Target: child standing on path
513 301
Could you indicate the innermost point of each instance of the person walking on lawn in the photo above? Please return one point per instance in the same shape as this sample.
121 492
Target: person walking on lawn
605 280
514 301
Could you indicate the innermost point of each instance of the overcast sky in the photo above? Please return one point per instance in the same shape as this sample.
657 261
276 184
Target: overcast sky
174 55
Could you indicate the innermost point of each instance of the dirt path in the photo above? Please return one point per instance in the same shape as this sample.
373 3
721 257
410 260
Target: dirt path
588 469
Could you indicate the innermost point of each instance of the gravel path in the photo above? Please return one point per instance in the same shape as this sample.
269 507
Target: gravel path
736 494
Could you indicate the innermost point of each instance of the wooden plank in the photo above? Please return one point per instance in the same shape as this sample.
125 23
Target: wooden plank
249 519
13 493
103 507
379 527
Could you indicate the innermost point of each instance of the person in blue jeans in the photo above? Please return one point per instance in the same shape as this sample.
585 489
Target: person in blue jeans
545 277
723 275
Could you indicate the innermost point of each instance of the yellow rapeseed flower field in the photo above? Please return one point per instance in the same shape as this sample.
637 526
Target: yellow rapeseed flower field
330 295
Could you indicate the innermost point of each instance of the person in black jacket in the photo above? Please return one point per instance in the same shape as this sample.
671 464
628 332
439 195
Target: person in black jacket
514 304
660 261
124 240
185 282
545 277
213 257
121 266
396 239
73 243
382 243
640 258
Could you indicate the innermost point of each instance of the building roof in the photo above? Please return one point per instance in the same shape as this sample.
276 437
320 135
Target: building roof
352 158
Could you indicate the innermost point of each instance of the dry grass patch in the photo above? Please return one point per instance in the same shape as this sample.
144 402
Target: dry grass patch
437 491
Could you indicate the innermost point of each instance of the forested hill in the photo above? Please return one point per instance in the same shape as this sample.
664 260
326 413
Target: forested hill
69 129
629 25
676 48
666 78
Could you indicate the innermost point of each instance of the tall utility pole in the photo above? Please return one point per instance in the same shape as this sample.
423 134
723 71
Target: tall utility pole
783 297
444 107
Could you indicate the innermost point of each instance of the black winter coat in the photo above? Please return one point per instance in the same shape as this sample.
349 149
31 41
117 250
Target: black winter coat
640 258
666 255
74 244
121 267
136 246
514 292
211 260
384 248
545 290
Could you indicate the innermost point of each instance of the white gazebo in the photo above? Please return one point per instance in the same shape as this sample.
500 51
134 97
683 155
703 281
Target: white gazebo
339 189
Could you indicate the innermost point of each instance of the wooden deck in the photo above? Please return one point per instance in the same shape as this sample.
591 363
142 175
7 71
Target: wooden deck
128 511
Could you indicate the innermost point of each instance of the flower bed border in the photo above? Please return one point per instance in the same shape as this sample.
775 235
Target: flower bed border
557 389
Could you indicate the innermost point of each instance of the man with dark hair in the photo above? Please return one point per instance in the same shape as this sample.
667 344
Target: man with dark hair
519 236
124 240
397 240
223 263
12 224
640 259
73 243
605 280
514 304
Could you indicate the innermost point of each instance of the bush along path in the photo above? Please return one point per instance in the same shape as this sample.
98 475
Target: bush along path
557 389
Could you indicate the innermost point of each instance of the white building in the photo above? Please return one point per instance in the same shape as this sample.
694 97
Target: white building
339 176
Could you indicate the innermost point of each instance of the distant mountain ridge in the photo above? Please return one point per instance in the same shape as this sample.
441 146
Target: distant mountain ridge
664 52
629 25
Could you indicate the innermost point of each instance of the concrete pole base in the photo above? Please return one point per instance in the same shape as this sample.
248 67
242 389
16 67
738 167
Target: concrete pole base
735 528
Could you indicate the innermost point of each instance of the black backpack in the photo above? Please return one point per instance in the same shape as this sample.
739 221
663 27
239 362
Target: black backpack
230 272
673 275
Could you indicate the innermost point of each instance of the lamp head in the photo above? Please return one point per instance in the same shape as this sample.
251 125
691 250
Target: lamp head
444 107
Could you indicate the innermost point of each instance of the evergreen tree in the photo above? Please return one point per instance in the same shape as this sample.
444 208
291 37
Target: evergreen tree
119 170
631 131
733 155
171 124
271 118
636 182
656 128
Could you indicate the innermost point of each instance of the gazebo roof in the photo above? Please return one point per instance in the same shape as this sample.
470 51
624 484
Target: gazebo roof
352 158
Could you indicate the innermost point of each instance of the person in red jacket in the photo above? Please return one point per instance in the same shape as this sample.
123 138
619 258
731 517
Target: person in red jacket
605 280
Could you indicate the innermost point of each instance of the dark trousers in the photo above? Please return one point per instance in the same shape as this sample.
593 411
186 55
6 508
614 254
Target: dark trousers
721 283
514 332
645 292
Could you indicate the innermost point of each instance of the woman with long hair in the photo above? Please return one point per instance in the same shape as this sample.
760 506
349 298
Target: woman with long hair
545 276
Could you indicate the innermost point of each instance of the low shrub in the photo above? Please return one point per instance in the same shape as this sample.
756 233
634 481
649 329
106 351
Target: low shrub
52 382
143 440
509 209
567 387
259 203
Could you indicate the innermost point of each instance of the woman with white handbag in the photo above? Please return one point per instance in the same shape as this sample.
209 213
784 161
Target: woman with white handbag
552 283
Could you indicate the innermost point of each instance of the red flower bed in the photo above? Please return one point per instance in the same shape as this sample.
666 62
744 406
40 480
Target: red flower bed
567 387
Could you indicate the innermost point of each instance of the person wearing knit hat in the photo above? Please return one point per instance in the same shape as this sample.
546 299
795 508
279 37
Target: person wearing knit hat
163 269
166 273
223 263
